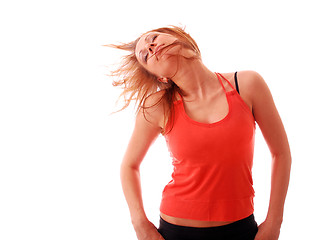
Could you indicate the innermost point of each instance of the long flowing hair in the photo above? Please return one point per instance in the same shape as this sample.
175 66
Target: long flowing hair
138 84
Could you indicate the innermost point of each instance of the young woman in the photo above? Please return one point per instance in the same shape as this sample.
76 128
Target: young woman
208 120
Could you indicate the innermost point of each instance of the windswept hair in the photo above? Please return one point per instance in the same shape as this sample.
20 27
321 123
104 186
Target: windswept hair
138 83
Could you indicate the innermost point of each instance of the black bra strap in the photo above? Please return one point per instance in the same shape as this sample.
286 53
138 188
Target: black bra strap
236 84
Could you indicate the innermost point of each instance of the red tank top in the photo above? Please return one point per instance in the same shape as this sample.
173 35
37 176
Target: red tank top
212 178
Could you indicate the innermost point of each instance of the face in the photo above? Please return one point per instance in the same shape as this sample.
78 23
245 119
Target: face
156 52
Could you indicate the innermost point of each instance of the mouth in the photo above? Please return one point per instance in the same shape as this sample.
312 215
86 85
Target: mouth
157 50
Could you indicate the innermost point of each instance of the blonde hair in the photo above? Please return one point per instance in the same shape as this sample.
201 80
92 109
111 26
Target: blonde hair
137 83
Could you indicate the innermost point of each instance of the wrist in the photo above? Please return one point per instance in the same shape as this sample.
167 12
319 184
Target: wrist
274 220
139 220
275 216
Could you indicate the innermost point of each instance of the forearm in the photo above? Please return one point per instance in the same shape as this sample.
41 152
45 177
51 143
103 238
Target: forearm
131 185
281 167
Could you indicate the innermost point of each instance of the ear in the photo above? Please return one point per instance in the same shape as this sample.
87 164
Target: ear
163 79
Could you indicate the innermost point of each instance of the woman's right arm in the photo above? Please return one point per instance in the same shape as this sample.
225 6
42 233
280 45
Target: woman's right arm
144 134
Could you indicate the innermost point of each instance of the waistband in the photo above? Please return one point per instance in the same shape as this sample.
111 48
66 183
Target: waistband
248 222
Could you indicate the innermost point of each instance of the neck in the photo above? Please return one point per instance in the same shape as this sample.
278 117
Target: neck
195 80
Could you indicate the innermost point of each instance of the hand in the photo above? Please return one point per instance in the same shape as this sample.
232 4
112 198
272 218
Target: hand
147 231
268 231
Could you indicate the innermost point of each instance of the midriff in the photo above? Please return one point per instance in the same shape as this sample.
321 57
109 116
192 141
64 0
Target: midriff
192 223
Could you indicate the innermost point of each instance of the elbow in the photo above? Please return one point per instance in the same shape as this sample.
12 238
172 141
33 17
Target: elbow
126 169
282 155
126 165
283 161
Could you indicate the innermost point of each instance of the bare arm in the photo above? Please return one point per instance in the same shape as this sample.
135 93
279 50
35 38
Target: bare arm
269 121
143 136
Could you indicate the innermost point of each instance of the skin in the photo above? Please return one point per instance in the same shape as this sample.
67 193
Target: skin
153 52
204 101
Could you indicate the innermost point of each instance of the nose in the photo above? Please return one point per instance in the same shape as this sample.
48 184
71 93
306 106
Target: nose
151 47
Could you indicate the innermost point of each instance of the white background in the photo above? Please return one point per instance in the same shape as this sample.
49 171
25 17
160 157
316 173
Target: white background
61 149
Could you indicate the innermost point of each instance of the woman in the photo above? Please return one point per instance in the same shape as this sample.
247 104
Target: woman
208 120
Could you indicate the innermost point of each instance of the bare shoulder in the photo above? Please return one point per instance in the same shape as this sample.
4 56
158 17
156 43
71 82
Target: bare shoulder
154 99
154 107
258 94
245 78
251 84
249 78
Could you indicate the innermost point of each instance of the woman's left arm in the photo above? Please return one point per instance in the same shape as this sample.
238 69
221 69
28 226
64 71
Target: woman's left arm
269 121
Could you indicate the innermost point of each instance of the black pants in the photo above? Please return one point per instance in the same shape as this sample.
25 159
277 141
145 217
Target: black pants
244 229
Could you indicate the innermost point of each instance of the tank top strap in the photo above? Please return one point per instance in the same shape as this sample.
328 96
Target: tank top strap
219 75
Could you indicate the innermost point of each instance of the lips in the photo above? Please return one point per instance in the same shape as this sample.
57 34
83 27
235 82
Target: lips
157 50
